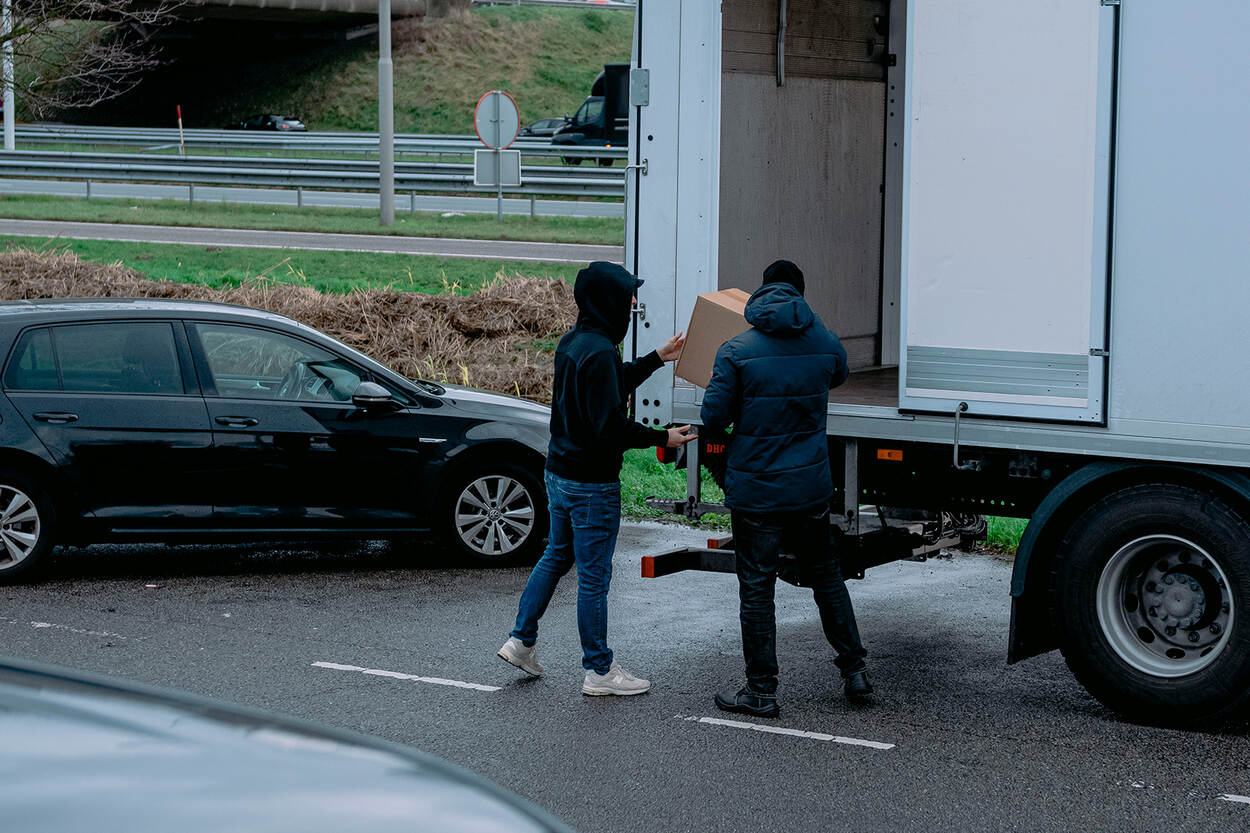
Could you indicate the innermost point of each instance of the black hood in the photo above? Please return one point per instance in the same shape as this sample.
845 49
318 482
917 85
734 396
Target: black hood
779 309
604 293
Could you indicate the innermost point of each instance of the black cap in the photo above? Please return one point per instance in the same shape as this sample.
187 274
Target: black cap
783 271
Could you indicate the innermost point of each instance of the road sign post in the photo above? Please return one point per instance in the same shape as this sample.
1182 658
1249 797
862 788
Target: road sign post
497 122
386 117
10 107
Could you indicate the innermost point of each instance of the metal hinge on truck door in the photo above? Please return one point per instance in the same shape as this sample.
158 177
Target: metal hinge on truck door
1110 2
639 87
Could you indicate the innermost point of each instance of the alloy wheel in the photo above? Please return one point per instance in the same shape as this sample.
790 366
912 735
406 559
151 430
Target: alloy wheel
495 514
19 526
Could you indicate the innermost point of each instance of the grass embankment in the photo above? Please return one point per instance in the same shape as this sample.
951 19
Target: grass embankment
500 337
222 267
547 59
605 231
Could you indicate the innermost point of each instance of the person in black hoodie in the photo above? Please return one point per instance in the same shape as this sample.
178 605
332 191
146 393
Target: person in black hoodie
590 430
772 383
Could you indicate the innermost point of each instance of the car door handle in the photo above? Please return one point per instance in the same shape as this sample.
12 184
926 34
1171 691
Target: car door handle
56 417
237 421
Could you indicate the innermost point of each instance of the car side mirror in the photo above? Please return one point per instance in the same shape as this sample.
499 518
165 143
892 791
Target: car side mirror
370 396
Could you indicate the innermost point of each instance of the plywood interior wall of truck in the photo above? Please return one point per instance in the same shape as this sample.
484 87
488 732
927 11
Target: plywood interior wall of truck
801 162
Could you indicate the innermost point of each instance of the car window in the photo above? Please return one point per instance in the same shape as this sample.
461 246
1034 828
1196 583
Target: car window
33 366
249 363
131 357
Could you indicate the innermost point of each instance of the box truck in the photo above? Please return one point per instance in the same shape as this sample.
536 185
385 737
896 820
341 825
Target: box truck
602 120
1028 223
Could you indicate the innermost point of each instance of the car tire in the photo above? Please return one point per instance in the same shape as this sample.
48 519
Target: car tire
606 163
28 523
496 515
571 160
1150 596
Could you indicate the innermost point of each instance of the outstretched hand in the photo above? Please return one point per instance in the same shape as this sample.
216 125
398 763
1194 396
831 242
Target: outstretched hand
672 348
679 436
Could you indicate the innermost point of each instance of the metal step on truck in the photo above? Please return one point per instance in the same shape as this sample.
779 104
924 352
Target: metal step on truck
1029 224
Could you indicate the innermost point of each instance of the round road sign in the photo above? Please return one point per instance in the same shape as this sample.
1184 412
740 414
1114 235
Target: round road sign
497 119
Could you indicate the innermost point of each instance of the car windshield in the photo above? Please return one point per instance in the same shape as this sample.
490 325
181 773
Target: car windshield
590 112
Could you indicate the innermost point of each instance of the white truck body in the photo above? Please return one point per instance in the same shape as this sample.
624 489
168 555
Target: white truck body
1028 221
1057 186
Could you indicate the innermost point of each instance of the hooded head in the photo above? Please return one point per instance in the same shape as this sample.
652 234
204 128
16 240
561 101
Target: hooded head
783 271
778 309
604 293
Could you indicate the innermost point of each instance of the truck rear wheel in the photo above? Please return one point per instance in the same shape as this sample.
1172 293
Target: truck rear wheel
1151 597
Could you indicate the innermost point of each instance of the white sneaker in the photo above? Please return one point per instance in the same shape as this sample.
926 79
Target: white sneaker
616 681
514 651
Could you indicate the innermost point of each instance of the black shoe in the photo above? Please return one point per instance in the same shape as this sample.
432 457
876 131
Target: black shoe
746 701
858 684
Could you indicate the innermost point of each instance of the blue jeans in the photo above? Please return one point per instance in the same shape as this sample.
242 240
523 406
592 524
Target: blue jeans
585 519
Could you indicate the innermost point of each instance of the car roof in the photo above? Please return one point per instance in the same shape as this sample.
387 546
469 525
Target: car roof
93 308
91 751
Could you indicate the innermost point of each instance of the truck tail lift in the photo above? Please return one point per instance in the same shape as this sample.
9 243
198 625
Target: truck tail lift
863 536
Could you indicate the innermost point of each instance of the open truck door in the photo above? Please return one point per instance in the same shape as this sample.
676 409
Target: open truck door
1006 208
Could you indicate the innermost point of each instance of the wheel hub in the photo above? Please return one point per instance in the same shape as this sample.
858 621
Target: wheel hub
1164 605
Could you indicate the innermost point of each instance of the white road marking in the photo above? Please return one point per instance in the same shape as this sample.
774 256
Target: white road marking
67 628
795 733
416 678
1239 799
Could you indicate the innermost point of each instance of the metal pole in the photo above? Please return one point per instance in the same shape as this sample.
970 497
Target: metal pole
386 116
498 161
9 108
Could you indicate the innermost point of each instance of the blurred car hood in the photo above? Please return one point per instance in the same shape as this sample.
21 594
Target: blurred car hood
82 752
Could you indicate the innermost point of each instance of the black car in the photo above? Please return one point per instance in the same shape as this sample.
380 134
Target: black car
83 752
544 127
268 122
185 420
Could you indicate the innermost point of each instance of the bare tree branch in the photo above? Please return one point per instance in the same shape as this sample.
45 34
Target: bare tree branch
77 53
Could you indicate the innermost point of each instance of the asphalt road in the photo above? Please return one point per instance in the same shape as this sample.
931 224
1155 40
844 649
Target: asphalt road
331 199
248 238
956 739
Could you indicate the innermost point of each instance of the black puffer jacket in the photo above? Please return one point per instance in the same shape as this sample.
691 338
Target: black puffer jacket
772 385
589 426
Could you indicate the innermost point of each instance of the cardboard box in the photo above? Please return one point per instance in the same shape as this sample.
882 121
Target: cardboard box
717 317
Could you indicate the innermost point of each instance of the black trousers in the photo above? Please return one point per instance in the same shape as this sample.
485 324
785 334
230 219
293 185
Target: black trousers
758 540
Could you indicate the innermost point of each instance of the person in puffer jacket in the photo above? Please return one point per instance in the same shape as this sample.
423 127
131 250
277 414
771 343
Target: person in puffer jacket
771 385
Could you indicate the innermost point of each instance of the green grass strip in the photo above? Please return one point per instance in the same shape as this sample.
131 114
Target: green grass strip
601 230
224 267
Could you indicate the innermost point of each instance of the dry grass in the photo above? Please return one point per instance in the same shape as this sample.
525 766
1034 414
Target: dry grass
498 338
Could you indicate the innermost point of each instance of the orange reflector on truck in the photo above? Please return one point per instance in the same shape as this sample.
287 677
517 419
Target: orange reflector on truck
895 454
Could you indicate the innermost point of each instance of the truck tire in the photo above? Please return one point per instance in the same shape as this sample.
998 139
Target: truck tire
1150 594
496 515
28 523
571 161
